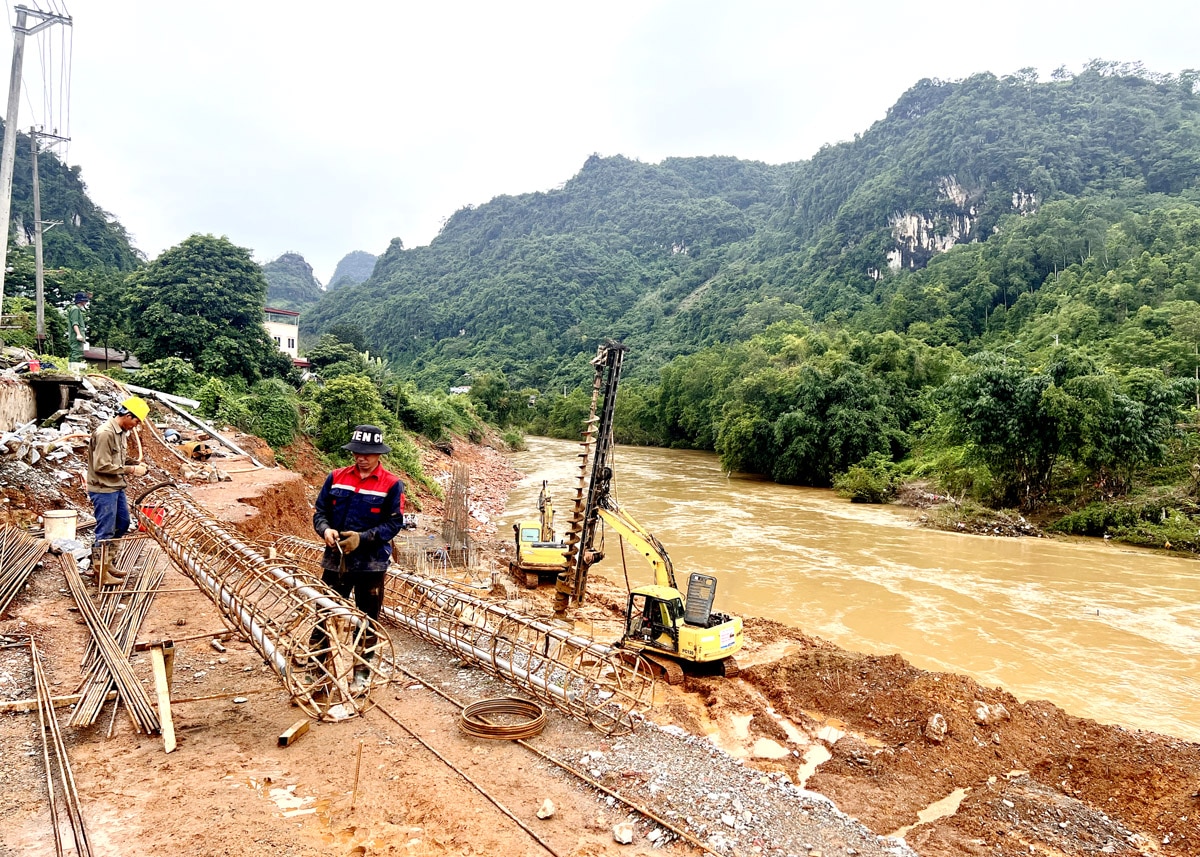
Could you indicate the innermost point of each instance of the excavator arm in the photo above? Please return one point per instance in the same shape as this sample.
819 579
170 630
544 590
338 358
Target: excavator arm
644 542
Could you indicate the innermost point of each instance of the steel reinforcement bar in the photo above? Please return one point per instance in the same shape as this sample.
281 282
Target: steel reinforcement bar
575 674
328 653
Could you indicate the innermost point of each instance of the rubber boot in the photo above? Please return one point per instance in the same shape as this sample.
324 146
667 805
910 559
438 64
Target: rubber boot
109 576
362 676
93 568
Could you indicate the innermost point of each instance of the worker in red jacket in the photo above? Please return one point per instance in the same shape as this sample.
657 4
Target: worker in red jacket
358 512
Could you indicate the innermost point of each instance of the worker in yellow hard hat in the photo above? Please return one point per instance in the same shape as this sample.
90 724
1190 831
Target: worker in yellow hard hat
137 406
107 472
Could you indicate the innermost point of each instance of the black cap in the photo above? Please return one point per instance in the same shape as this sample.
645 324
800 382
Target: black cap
367 440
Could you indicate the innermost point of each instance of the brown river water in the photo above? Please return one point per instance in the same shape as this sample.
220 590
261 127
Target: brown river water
1104 631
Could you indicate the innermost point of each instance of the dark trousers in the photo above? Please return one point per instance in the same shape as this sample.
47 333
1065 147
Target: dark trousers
367 588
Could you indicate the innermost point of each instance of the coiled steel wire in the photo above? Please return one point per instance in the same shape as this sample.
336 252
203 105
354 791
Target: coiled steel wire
486 719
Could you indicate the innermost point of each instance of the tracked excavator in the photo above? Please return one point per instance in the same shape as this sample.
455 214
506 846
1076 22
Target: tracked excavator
673 633
539 554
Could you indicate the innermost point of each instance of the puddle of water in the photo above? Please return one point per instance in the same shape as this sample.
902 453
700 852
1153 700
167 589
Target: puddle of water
795 736
284 796
947 806
830 734
815 756
765 748
741 725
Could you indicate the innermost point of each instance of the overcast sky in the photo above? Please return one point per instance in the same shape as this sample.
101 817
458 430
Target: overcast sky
300 126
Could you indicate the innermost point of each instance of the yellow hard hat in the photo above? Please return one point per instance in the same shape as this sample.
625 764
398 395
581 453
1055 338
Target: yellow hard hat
137 406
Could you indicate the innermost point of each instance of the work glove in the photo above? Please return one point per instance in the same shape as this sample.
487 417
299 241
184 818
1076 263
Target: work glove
137 470
349 542
78 337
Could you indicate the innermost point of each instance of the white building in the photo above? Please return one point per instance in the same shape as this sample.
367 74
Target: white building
283 325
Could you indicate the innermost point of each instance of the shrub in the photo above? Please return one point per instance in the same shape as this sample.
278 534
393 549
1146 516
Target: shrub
273 412
211 395
872 480
172 375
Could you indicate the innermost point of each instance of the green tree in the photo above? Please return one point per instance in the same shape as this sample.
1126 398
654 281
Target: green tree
346 402
496 401
172 375
332 357
345 331
202 301
1009 419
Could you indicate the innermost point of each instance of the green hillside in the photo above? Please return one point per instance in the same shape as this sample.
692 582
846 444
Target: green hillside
290 283
524 283
86 236
354 268
993 288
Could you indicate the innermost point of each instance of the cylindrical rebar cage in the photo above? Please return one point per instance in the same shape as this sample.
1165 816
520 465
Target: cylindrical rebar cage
329 654
585 679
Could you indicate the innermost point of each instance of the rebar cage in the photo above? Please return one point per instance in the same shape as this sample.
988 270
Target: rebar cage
573 673
329 654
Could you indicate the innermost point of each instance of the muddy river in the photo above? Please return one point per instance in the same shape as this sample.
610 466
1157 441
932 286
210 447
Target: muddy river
1102 630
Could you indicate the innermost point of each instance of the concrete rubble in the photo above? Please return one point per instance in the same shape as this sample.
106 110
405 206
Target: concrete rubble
40 458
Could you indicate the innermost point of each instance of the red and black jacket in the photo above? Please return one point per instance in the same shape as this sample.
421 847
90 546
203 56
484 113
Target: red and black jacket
372 506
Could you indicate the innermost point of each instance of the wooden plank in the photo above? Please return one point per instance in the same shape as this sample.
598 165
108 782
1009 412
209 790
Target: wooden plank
162 688
289 735
59 702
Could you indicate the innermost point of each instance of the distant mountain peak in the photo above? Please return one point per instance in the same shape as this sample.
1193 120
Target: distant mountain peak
291 284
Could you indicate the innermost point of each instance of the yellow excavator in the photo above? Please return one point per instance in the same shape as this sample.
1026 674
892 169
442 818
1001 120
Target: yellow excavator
673 633
538 554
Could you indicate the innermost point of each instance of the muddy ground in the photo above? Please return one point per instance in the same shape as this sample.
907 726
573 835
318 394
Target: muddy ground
955 768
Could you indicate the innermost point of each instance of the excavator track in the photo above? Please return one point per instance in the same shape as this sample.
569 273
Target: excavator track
661 667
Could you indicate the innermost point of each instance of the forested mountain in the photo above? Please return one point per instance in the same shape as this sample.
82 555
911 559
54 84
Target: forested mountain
291 284
88 236
525 283
996 287
354 268
694 251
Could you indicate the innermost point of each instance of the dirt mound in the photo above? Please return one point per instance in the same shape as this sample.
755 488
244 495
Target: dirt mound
1033 774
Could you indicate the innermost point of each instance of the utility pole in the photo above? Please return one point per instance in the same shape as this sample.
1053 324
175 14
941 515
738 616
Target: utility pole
8 155
38 223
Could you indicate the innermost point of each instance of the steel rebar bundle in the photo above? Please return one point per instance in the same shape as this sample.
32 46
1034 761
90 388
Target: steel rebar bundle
122 613
53 745
455 518
19 554
327 652
575 674
129 689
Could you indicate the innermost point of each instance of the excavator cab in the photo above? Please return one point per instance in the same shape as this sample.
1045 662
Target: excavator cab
652 618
